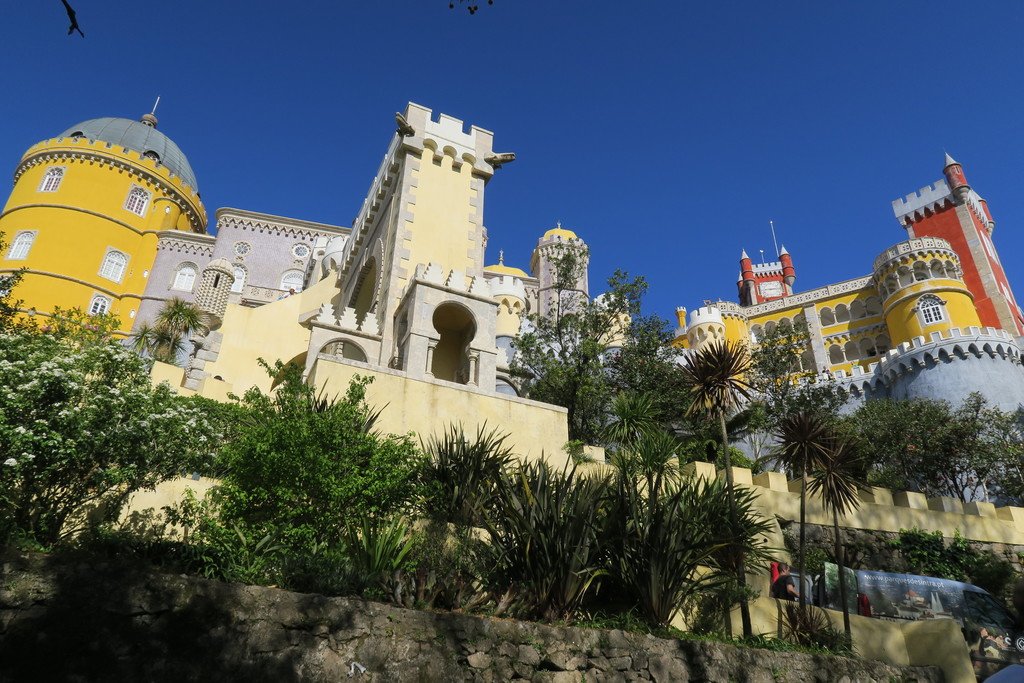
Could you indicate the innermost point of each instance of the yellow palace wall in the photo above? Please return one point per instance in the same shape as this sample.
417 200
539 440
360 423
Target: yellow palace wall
427 407
271 332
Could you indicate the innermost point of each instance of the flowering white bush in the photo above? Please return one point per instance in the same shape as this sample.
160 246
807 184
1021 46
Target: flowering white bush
81 428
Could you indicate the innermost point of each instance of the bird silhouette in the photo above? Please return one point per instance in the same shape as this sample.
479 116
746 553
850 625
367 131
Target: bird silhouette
74 22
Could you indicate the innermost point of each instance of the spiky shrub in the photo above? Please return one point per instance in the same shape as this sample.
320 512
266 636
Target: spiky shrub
460 474
544 529
376 549
660 548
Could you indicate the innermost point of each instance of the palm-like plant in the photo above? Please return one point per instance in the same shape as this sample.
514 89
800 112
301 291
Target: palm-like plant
176 322
837 483
804 441
632 416
461 473
545 538
715 374
183 318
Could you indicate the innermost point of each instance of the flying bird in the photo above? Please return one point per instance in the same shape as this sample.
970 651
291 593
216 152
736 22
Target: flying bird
74 22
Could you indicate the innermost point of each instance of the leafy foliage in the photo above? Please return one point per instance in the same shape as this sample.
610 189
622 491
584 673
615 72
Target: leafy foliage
164 340
81 426
972 452
929 554
781 386
306 465
660 546
563 356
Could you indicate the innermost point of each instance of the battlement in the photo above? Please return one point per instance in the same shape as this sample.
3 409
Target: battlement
770 268
706 315
447 134
507 285
918 204
939 346
881 509
454 280
58 150
917 244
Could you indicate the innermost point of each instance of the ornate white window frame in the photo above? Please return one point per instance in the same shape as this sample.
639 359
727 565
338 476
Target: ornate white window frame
99 304
21 245
114 265
931 309
185 277
52 179
138 200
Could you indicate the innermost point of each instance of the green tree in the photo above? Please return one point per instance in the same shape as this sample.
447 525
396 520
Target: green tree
8 304
305 464
837 481
971 452
804 440
715 374
562 356
781 386
82 428
648 364
545 538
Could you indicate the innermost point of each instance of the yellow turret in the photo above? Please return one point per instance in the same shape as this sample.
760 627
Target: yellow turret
85 211
922 290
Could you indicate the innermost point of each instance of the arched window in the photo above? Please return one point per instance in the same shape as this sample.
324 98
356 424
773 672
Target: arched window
835 355
868 348
882 344
239 282
842 314
113 265
937 269
932 309
137 201
905 276
857 310
51 179
20 245
292 279
99 304
827 318
921 271
185 277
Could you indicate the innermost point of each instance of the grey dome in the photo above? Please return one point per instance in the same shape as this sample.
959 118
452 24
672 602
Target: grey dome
138 137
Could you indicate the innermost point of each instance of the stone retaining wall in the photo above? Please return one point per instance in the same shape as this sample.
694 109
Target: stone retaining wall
90 620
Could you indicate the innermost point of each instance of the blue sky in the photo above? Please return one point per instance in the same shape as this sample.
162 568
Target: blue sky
666 134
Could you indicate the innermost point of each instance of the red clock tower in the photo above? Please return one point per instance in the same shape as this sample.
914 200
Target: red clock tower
765 281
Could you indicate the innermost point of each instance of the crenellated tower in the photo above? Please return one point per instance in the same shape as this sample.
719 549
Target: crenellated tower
763 282
950 209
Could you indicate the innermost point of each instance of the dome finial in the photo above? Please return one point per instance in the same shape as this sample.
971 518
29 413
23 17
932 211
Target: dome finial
501 257
150 118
